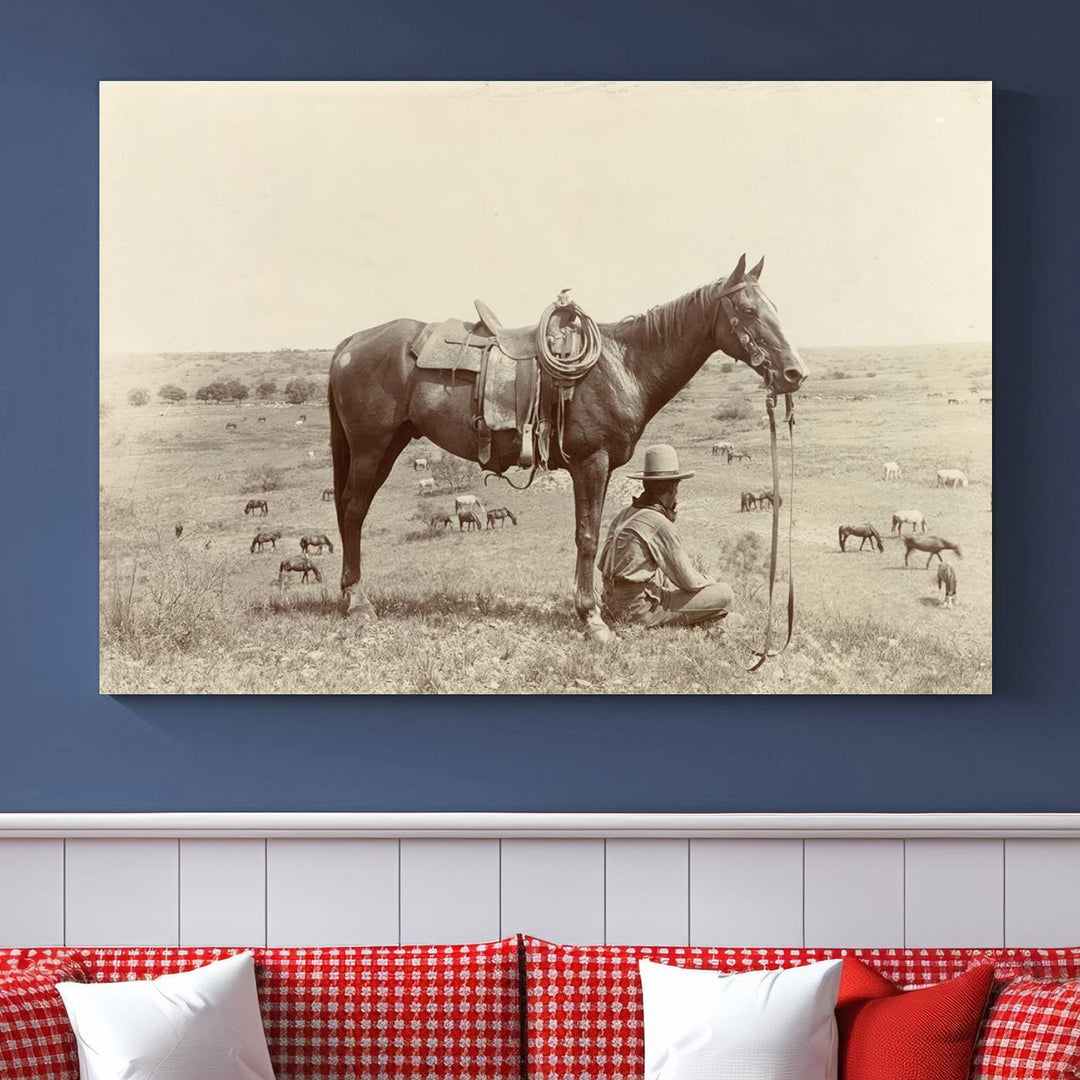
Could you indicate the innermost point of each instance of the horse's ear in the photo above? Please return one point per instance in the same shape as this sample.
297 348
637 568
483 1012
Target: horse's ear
756 272
737 274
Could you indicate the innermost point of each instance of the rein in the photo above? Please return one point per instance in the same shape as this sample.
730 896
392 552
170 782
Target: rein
770 404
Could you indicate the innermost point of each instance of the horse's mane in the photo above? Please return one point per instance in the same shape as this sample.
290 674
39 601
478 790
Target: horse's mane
666 321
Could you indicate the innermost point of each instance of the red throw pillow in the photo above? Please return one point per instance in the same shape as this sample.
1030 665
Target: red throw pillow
36 1038
1031 1033
891 1034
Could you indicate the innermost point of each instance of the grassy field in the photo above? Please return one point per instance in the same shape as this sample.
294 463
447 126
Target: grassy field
493 612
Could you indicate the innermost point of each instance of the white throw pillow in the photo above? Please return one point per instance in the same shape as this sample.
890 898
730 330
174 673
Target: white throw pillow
198 1025
757 1025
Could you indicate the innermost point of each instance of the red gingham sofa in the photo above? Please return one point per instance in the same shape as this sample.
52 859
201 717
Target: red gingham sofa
517 1009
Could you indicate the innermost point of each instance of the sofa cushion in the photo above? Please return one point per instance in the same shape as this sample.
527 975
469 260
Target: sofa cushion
584 1001
36 1039
927 1033
386 1012
1036 963
1031 1032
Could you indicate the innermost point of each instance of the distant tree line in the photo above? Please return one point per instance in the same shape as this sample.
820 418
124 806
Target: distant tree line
296 392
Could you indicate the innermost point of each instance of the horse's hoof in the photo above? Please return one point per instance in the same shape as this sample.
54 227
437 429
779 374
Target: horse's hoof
599 634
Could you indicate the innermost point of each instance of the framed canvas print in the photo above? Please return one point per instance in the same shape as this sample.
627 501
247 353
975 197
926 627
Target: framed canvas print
545 388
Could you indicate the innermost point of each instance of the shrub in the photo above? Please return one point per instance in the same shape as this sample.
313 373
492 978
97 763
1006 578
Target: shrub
236 390
298 390
454 473
263 477
266 389
734 410
727 367
169 392
838 374
138 396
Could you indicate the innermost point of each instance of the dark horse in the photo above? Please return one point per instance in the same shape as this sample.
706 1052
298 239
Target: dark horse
500 514
316 541
934 544
262 538
257 505
379 401
866 531
301 564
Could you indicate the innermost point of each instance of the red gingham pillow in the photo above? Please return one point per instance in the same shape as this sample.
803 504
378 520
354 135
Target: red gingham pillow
1032 1032
585 1018
1035 963
36 1038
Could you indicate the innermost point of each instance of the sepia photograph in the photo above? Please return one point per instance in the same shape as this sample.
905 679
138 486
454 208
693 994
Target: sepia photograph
545 388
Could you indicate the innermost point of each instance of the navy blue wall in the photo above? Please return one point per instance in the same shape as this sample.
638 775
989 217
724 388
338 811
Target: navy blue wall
64 748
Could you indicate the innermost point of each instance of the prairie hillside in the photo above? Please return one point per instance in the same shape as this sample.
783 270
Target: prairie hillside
493 612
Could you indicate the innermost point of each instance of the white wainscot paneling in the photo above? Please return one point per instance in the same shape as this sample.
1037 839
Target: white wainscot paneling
122 892
31 892
954 893
647 892
1042 892
746 892
332 892
449 891
854 892
554 889
222 892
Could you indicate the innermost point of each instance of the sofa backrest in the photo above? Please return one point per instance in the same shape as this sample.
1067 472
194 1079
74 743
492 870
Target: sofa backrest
585 1017
349 1013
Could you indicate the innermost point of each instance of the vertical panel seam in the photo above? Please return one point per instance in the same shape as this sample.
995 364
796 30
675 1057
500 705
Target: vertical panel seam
803 845
1004 892
689 889
64 887
501 934
603 889
179 875
266 892
903 893
399 890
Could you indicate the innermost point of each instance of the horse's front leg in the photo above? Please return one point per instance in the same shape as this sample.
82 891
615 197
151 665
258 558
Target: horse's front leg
590 486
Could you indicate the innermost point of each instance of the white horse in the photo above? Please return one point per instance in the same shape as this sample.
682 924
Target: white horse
426 486
419 464
719 448
951 478
892 471
914 518
299 423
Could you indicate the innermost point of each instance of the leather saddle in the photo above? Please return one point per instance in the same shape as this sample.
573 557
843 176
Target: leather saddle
518 343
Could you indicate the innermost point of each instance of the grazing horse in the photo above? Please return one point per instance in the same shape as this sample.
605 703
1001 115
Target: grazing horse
500 513
425 487
262 419
748 501
986 401
257 506
934 544
299 564
230 425
892 471
262 538
469 520
178 528
319 541
379 401
946 576
953 401
866 531
719 448
951 478
739 455
419 464
440 520
914 518
327 494
764 497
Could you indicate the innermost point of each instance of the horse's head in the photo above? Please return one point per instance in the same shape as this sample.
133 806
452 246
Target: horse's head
747 327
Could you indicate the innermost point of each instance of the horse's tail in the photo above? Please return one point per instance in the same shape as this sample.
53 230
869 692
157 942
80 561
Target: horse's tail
339 450
840 536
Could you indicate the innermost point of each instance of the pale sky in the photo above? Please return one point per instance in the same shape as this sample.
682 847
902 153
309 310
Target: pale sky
255 216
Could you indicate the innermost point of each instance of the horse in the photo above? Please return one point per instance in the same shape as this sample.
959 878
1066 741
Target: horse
914 518
299 564
986 401
946 576
230 425
951 478
719 448
469 520
934 544
379 401
748 501
303 417
500 513
262 419
741 455
953 401
866 531
316 540
327 494
178 528
257 505
262 538
764 497
425 487
440 520
892 471
311 455
419 464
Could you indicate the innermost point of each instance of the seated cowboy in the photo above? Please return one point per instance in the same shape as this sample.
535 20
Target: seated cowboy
648 577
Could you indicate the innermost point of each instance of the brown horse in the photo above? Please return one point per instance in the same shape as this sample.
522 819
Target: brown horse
866 531
469 520
319 541
500 514
379 401
946 576
934 544
300 564
257 506
263 538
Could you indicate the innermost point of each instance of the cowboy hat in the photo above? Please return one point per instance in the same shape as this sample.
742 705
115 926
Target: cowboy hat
661 463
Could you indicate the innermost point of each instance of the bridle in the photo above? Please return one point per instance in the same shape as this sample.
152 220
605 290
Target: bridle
756 355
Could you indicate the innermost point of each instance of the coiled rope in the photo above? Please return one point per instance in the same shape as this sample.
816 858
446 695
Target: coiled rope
568 369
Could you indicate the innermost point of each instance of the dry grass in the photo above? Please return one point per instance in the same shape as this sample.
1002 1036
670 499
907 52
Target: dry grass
492 612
